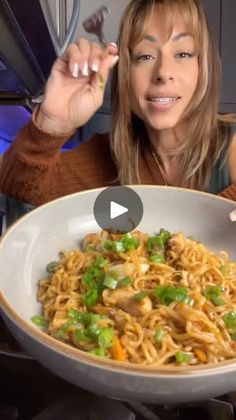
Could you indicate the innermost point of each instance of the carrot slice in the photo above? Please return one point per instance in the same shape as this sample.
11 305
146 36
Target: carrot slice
118 352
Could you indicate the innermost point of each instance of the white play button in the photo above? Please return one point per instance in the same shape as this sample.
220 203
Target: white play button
116 209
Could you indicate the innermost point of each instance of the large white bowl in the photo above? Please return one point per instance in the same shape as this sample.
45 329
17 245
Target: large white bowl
35 239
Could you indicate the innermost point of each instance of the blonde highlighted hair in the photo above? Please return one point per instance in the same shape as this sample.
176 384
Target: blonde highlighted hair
206 131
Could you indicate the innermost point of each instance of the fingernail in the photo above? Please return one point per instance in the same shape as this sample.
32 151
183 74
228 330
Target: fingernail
115 59
95 67
85 70
114 44
75 72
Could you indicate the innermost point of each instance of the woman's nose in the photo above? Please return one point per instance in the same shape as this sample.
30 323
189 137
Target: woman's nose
163 71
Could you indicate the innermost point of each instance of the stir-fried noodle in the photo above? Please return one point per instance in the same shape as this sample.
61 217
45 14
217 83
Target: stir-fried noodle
150 300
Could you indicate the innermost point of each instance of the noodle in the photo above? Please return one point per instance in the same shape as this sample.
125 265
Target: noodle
151 300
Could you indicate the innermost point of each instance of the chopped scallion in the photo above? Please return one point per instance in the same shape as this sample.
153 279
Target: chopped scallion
52 266
110 282
40 321
183 357
159 335
106 338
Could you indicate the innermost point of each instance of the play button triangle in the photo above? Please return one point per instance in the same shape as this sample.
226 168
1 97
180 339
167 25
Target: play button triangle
117 210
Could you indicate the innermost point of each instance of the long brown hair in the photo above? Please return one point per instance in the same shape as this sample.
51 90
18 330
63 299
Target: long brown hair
205 130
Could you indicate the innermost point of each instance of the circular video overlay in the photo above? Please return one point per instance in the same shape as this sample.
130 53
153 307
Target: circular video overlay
118 209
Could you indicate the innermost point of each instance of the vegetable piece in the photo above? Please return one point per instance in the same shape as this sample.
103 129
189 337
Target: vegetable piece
100 262
118 246
52 266
168 294
84 317
94 330
157 258
159 335
91 297
155 241
40 321
81 335
201 355
213 293
99 351
124 244
183 357
106 337
110 282
117 351
230 320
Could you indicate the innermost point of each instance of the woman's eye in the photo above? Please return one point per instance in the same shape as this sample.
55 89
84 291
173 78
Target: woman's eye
143 57
184 54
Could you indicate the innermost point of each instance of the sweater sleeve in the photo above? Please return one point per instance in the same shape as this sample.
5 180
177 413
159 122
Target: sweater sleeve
36 171
229 192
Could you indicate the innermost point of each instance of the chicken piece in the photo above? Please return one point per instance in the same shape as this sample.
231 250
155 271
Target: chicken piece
120 317
127 269
177 243
124 299
91 239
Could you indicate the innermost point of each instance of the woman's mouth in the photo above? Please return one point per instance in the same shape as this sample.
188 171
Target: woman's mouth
162 103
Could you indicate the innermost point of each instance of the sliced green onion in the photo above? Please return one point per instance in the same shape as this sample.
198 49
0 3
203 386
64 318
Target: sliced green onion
89 281
126 281
165 235
94 330
81 334
155 241
183 357
83 317
140 296
110 282
52 266
40 321
159 335
100 262
157 258
188 300
94 318
213 293
108 245
118 246
129 242
168 294
99 351
106 338
91 297
230 320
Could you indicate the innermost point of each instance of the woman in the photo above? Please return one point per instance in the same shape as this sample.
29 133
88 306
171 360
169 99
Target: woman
165 123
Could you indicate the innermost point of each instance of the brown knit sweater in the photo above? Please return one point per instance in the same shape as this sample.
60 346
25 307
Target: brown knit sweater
36 171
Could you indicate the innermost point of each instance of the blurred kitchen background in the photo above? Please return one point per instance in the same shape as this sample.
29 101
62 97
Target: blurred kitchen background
34 32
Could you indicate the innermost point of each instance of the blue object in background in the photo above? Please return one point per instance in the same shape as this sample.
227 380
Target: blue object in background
13 118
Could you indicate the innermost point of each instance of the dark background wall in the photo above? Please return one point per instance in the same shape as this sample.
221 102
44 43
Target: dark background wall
222 17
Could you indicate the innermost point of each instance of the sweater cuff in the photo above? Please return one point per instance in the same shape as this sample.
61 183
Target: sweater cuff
229 192
45 135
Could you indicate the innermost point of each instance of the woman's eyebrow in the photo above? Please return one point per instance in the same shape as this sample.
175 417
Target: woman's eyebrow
175 38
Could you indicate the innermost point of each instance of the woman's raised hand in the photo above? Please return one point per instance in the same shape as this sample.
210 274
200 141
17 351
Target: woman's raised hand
75 87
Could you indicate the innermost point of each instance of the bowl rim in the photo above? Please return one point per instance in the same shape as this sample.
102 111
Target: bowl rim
78 355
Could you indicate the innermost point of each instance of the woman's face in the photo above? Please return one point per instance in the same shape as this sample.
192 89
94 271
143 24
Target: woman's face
164 73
